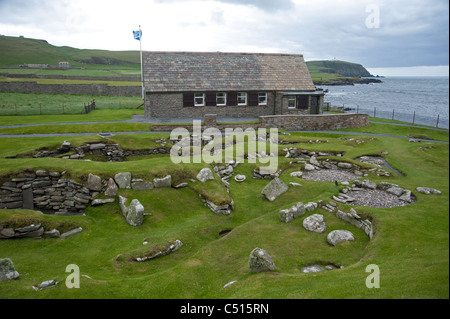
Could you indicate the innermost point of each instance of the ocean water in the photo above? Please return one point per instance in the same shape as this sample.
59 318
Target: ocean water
424 100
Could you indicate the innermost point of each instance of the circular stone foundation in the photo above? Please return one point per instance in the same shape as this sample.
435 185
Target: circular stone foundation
377 198
329 175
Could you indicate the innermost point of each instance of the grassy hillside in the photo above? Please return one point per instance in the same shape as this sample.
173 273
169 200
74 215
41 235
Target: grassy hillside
14 51
336 67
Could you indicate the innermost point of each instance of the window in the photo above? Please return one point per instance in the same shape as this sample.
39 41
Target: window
262 98
199 99
221 99
292 102
242 98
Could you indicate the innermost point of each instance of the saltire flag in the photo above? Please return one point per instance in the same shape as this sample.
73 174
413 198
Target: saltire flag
137 34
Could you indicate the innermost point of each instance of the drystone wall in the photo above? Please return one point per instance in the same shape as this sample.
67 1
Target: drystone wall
48 192
314 122
91 89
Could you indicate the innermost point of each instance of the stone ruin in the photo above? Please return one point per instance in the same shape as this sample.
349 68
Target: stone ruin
45 191
111 152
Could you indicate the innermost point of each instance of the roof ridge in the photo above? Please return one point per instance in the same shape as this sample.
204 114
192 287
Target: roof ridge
224 53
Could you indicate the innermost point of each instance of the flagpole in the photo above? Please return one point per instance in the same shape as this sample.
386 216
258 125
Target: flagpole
142 69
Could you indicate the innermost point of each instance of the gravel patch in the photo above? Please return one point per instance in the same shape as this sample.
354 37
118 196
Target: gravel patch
329 175
376 198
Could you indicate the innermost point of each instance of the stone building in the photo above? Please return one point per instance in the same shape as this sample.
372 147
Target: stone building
231 85
64 65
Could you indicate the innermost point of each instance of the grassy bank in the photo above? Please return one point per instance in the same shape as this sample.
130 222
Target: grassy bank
410 245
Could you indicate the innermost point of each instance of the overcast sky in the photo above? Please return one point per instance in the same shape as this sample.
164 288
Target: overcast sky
394 34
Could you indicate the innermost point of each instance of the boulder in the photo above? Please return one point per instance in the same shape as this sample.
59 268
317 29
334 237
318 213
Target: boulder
181 185
65 147
94 182
286 215
123 179
260 261
313 160
239 178
97 146
141 185
297 174
54 233
406 196
298 209
72 232
345 165
385 186
315 223
123 207
337 236
310 206
163 182
368 184
394 190
274 189
309 167
428 190
111 188
205 174
101 201
7 270
135 216
45 284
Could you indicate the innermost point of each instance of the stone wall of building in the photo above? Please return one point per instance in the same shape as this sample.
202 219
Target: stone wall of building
170 105
314 122
90 89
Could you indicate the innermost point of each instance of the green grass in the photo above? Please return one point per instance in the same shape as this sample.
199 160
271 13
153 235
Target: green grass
14 50
13 104
72 81
410 244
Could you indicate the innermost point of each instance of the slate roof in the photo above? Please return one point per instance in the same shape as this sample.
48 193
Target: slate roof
219 71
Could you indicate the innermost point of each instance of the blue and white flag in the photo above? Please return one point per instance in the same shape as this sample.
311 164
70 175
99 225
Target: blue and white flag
137 34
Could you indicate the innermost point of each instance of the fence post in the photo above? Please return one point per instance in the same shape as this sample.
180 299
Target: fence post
392 114
375 112
40 108
414 117
15 108
437 122
357 109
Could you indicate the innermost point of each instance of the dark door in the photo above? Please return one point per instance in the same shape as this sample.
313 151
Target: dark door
303 102
314 105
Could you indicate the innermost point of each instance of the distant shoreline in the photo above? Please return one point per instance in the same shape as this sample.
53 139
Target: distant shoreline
348 81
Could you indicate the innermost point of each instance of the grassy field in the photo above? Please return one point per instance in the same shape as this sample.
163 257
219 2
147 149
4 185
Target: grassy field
53 104
71 81
410 244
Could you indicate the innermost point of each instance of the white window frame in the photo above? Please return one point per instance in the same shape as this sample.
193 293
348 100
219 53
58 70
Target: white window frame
224 99
242 95
260 94
292 98
198 96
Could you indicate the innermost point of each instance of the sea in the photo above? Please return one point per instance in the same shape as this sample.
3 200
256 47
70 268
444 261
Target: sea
418 100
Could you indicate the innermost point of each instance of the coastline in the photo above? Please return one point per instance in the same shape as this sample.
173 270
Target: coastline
349 81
